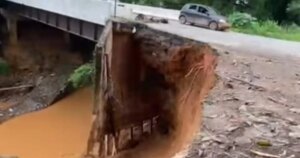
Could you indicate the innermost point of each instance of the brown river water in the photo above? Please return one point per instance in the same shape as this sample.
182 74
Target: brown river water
60 131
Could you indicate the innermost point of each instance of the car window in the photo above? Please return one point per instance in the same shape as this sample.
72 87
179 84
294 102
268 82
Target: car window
202 10
193 7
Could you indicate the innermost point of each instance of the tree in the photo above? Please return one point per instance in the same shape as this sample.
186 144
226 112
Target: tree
293 11
280 11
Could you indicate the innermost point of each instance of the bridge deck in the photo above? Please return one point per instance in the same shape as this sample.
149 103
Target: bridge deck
94 11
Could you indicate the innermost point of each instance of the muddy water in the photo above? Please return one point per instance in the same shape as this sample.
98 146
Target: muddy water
60 131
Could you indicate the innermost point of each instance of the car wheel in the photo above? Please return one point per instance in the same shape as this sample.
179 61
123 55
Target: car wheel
182 19
213 25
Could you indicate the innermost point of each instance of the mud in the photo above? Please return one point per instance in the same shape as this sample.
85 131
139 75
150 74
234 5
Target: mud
60 131
41 96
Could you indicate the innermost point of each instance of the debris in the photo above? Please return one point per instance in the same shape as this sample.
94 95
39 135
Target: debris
242 140
291 121
276 101
226 52
269 61
10 110
295 110
283 153
258 153
252 86
264 143
252 118
295 132
232 128
15 88
200 152
229 85
212 116
234 62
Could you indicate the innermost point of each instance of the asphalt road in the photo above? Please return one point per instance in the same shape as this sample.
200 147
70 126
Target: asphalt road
232 41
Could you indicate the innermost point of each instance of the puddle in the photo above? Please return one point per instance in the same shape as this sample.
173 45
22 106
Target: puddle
60 131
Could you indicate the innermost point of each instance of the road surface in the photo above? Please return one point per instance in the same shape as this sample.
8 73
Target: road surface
232 41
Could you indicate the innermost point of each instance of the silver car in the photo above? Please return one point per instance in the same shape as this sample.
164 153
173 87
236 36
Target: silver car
197 14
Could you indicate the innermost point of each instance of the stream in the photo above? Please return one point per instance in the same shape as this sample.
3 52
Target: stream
60 131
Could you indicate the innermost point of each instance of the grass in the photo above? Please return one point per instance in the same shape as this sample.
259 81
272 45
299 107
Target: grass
271 29
246 23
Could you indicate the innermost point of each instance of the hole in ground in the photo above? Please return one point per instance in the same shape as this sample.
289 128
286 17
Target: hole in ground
156 91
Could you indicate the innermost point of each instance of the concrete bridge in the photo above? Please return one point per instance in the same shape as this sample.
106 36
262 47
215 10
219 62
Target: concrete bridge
84 18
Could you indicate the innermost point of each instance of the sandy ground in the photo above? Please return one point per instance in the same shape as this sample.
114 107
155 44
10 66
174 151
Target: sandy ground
253 111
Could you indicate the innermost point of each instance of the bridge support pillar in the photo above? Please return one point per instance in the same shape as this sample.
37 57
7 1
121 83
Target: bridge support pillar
12 26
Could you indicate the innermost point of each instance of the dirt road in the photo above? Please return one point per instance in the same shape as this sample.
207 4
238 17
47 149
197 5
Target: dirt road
231 41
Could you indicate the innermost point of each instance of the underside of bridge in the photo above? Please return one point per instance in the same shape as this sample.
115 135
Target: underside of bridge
43 38
14 12
33 49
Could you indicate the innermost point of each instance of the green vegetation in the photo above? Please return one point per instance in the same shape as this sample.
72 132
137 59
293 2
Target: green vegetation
82 76
275 18
245 23
4 67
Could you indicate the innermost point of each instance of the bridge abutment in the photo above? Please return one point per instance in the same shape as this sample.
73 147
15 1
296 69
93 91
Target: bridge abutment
12 25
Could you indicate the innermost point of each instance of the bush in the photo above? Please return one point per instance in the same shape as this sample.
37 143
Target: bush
4 67
265 27
241 20
293 11
268 28
82 76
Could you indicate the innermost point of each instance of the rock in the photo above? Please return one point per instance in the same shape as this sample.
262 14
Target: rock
232 128
295 110
295 132
11 110
229 86
200 152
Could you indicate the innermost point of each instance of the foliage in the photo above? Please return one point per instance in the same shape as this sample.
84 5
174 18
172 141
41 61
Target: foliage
293 11
271 15
264 9
82 76
4 67
271 28
241 20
